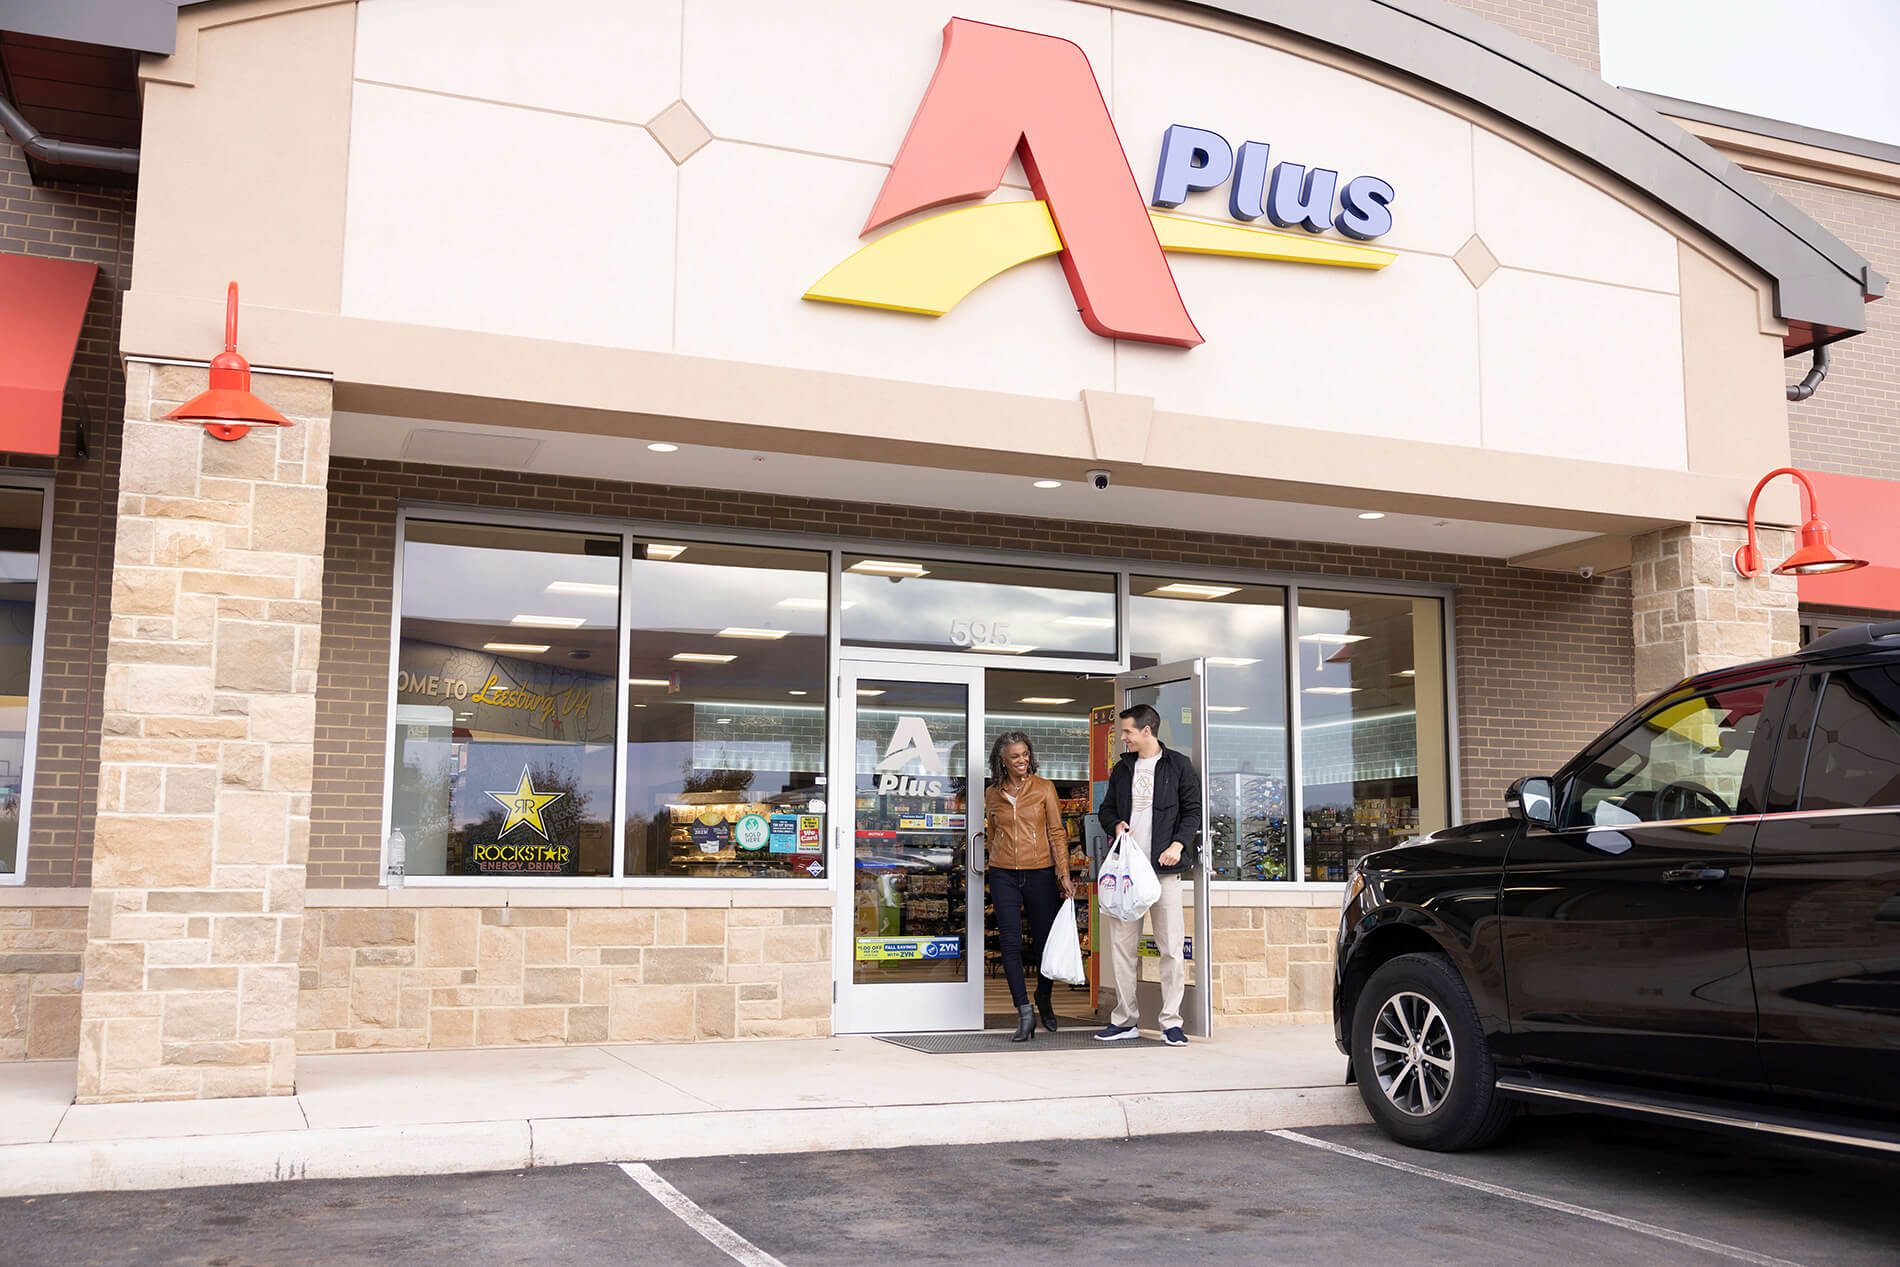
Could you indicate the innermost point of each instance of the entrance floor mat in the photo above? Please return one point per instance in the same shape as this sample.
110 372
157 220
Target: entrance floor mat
972 1042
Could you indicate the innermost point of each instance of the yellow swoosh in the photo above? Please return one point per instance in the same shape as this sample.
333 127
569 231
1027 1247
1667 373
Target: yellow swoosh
928 267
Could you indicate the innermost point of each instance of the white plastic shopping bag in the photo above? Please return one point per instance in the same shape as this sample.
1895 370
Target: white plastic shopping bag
1128 884
1062 952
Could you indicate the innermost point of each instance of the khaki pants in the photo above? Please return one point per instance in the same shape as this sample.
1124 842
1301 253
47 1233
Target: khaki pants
1124 957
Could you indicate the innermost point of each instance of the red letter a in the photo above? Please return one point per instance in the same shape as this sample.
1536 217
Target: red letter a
997 90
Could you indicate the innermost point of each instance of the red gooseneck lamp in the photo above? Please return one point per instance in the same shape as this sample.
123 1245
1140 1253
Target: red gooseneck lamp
1817 552
227 408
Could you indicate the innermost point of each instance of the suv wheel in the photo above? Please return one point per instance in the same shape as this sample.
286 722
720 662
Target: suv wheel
1419 1056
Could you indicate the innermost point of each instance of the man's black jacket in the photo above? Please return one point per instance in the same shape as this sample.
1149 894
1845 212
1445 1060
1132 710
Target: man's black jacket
1177 807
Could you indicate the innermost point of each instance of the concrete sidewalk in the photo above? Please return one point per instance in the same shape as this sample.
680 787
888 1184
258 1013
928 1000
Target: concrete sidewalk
441 1112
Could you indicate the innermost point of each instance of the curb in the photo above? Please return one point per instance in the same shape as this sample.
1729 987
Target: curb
469 1147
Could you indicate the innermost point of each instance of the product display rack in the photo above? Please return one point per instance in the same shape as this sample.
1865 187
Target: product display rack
1247 824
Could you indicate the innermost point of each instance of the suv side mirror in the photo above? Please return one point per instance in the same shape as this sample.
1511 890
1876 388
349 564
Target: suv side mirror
1532 801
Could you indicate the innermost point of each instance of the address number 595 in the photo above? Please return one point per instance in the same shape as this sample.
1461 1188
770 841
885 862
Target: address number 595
979 633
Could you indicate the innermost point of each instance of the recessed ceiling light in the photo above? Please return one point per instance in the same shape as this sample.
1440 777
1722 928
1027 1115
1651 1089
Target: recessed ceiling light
661 446
888 567
1372 514
1331 690
1408 673
798 692
1007 648
588 588
663 550
639 705
703 657
744 631
1181 589
649 681
1086 622
1226 708
810 604
724 721
1046 699
1333 639
867 693
550 622
520 648
1231 662
1048 483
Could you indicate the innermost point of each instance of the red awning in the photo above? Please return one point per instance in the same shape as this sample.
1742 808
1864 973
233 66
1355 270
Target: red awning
1862 513
42 305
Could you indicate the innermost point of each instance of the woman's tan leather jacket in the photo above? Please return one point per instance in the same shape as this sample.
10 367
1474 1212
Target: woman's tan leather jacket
1029 834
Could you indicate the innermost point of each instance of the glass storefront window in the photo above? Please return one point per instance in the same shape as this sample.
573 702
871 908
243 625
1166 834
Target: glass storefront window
913 604
1371 670
21 511
726 711
1239 633
506 701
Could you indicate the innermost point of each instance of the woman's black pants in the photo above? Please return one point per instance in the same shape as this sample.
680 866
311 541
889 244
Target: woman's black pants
1016 894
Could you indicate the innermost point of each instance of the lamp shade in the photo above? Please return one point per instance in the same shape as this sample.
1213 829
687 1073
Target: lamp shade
1817 553
227 408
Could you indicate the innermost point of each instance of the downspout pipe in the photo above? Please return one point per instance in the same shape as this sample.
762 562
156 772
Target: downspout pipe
1805 388
63 153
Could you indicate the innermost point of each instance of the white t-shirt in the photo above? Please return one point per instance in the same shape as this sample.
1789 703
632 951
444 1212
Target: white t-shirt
1141 802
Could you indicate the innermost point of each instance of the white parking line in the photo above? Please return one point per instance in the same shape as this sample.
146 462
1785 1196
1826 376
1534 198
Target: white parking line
1562 1207
736 1247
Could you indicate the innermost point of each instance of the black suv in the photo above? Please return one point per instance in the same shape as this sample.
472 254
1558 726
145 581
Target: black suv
1697 918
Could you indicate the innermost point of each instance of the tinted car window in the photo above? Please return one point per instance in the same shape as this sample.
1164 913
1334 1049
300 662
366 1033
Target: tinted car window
1685 759
1854 759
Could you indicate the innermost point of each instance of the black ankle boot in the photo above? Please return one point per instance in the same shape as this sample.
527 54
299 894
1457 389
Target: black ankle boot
1047 1009
1025 1024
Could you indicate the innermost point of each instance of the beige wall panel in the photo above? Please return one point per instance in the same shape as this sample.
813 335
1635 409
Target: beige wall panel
1535 215
1732 374
741 275
476 216
242 175
1391 353
844 77
1580 370
625 65
1310 114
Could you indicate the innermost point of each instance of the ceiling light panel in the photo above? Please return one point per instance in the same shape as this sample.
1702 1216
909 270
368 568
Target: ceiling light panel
703 657
519 648
550 622
745 631
1182 589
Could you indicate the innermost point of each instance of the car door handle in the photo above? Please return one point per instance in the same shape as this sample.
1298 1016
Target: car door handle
1694 875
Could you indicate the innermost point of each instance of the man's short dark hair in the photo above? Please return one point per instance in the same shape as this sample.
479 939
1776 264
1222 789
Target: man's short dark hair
1145 718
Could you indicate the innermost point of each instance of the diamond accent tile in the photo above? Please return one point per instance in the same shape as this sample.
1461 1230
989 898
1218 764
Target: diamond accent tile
1475 261
679 132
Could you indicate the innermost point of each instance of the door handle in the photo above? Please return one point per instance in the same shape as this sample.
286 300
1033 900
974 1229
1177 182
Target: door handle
1694 875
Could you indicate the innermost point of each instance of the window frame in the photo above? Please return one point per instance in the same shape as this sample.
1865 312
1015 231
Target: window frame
36 669
837 546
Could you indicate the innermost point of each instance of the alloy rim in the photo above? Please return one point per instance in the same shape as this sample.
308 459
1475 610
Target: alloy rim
1412 1054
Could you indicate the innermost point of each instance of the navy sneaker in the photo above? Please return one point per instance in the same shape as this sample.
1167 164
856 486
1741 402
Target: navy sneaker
1174 1037
1114 1033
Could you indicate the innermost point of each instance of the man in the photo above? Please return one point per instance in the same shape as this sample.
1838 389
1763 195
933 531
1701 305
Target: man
1154 799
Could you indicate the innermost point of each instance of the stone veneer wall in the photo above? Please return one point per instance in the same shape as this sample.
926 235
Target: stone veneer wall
1692 613
40 952
1273 965
378 977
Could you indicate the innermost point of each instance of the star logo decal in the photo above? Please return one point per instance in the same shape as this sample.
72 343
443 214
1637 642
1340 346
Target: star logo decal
524 805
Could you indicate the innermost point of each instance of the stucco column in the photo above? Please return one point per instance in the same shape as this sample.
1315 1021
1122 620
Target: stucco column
1693 613
190 987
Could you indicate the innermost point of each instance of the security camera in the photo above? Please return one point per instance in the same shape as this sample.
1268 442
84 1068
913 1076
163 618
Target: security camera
1098 480
1586 571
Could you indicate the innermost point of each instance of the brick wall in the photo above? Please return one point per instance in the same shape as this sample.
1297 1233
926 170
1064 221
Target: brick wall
1544 658
81 223
1567 28
1851 425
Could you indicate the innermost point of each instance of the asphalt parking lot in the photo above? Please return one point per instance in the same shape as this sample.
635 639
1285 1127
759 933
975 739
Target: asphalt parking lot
1568 1190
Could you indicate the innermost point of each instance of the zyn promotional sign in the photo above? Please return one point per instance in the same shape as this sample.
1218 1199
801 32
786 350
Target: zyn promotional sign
1001 93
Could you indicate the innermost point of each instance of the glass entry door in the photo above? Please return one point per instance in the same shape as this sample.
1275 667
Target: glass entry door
909 946
1178 692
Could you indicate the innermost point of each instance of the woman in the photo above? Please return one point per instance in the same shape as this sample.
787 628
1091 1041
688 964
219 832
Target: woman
1028 868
